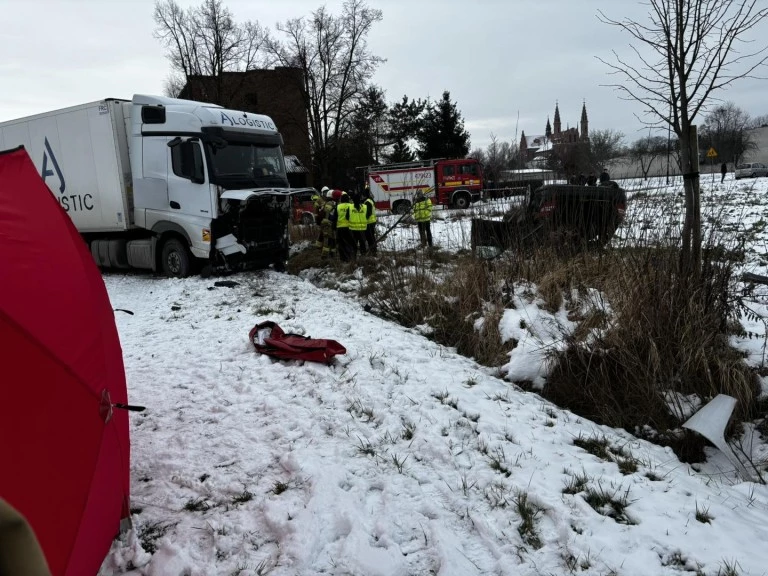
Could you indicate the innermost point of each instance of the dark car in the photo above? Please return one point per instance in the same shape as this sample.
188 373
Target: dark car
563 215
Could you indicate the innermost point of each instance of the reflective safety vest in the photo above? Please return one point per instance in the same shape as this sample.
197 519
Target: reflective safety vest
342 214
422 211
358 220
371 210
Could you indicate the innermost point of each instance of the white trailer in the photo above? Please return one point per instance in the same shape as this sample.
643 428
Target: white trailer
156 182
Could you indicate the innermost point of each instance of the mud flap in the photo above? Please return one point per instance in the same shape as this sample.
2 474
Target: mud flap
711 422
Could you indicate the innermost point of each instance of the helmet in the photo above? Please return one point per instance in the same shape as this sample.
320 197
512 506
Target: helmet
324 190
336 195
329 194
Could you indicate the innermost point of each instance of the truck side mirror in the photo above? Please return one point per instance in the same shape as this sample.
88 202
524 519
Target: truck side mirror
175 142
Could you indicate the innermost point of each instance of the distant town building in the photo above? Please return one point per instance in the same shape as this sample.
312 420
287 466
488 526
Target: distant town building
539 148
276 93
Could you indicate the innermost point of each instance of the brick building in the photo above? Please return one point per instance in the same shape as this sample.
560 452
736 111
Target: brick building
276 93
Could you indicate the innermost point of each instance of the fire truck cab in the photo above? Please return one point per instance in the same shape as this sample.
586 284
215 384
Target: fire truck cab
453 183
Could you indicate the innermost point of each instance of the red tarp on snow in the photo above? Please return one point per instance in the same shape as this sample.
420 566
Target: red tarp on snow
64 453
268 338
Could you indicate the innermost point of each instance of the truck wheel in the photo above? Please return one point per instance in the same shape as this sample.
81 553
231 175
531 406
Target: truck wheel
176 260
461 202
307 219
402 207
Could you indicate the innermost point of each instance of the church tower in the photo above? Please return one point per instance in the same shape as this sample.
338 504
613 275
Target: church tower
548 130
524 147
584 122
557 119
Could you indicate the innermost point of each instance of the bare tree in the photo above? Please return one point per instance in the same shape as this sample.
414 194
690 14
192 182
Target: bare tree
604 145
207 42
332 52
174 85
646 150
726 129
688 50
496 157
759 121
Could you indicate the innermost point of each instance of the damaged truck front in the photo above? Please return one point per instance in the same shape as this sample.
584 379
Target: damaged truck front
164 184
251 224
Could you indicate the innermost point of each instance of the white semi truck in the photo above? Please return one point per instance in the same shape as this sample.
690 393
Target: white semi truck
164 184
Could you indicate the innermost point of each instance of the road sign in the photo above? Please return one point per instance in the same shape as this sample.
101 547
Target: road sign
712 153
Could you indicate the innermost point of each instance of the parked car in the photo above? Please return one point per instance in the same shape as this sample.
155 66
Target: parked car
751 170
302 207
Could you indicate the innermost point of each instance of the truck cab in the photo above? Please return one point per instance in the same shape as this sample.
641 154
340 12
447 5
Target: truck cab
459 182
210 183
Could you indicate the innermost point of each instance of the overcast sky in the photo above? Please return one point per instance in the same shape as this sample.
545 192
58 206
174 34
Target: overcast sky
505 62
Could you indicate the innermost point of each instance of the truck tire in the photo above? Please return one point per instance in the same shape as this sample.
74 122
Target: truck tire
176 261
461 201
401 207
307 219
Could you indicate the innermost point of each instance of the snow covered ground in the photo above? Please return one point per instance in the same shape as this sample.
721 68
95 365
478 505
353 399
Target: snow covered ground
403 458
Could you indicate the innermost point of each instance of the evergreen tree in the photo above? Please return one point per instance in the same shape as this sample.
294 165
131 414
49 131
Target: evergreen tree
400 152
369 123
405 119
442 133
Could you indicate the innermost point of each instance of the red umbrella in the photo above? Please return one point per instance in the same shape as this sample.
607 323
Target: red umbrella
64 451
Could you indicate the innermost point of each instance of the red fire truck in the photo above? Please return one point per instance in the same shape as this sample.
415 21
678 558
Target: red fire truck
455 183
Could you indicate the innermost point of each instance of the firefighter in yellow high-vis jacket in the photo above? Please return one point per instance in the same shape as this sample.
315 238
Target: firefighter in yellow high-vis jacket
422 213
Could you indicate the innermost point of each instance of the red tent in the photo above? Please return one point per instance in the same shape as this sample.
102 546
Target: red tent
64 452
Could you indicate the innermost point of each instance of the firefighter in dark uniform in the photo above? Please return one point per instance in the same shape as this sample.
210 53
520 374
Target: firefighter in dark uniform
327 226
318 201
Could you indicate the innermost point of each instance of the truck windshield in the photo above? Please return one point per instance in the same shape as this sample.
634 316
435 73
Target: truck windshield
241 165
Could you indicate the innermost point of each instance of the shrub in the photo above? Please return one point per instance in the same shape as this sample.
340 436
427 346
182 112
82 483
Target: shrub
666 334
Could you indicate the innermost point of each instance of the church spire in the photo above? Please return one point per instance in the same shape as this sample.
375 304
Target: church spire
548 130
584 122
557 119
